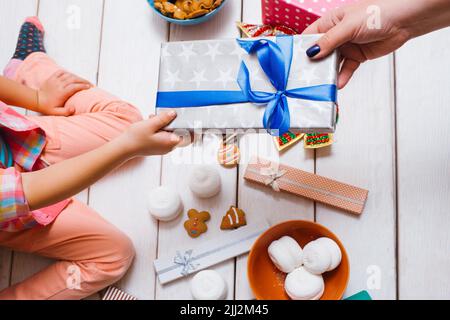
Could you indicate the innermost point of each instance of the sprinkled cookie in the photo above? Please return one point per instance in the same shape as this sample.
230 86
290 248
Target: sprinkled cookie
233 219
196 224
318 140
228 155
288 139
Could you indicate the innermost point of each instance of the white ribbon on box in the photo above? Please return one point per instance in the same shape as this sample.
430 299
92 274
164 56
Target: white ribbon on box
187 261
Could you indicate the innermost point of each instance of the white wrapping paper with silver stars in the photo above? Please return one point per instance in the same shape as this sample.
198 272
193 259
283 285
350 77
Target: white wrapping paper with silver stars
213 65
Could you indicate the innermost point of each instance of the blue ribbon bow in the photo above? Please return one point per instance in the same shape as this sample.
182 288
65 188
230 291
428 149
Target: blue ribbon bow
185 261
275 58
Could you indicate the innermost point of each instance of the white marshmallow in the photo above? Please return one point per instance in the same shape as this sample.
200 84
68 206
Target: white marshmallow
316 257
204 181
286 254
208 285
335 251
303 285
164 203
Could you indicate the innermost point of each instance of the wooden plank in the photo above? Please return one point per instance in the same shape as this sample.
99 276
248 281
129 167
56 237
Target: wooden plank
64 38
176 167
261 202
363 155
12 15
423 161
129 68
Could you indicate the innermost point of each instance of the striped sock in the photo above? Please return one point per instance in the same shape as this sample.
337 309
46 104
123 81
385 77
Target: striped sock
31 39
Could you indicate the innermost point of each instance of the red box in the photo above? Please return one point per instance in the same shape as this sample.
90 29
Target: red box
297 14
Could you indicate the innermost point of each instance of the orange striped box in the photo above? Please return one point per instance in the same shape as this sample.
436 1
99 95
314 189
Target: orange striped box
308 185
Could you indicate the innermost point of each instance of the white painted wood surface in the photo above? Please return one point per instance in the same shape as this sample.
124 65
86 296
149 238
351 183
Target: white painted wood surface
406 171
176 168
363 155
423 105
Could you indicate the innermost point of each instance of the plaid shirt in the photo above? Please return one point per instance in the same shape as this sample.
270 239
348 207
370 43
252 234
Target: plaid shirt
26 141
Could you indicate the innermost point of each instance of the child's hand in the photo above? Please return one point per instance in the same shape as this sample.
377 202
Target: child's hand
57 90
145 138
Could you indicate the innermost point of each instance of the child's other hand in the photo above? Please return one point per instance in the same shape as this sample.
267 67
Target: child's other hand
57 90
146 138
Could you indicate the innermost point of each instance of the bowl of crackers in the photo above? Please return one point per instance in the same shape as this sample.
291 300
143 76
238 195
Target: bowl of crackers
186 12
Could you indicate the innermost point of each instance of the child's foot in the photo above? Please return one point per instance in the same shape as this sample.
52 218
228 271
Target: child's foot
31 39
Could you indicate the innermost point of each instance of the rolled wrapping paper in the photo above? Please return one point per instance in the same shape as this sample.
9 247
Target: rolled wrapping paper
208 285
286 254
321 255
335 251
204 181
303 285
164 203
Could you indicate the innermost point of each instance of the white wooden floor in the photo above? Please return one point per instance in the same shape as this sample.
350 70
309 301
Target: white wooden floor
393 139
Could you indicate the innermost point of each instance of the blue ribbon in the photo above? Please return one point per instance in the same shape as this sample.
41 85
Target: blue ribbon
185 261
275 58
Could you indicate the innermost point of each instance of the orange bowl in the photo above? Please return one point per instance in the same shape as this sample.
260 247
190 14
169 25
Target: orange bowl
267 282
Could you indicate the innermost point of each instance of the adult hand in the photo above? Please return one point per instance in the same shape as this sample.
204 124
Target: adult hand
370 29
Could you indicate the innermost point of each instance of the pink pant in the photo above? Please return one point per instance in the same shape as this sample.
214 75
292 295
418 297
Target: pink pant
93 253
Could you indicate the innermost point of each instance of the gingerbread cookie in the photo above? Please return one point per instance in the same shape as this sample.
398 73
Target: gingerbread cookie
234 218
196 225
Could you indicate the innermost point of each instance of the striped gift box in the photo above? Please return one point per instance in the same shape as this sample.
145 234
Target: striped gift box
117 294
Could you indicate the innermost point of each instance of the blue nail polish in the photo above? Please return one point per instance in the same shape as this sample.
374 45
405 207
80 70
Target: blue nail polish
313 51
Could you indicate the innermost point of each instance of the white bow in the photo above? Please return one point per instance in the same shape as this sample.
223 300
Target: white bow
273 174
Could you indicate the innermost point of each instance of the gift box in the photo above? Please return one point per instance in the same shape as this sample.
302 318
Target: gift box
263 83
297 14
185 261
282 178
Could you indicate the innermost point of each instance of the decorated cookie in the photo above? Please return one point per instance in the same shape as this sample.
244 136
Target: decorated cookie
204 181
228 155
264 30
283 30
196 224
164 203
286 140
318 140
208 285
255 30
234 219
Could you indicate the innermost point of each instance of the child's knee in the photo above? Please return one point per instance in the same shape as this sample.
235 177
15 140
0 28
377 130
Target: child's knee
119 258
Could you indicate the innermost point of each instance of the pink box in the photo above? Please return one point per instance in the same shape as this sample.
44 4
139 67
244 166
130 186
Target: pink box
297 14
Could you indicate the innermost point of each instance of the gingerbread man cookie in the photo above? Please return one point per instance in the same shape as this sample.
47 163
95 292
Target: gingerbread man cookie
196 225
233 219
